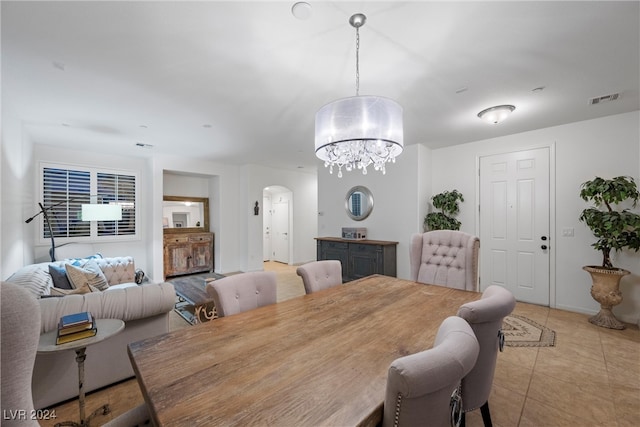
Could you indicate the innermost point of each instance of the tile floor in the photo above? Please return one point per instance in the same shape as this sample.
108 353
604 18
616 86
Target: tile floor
590 378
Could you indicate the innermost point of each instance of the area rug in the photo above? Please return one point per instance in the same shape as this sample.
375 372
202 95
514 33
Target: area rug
520 331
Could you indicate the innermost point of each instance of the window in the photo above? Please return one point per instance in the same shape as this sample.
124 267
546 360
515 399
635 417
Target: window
65 190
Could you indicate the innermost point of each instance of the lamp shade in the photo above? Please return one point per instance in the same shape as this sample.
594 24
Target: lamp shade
101 212
358 131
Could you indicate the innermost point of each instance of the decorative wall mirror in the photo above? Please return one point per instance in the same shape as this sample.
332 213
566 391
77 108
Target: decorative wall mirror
185 214
358 203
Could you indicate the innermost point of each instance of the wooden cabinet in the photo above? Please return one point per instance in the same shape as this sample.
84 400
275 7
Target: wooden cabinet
359 258
187 253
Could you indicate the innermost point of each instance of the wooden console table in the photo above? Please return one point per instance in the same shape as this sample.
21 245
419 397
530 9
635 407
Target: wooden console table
359 258
187 253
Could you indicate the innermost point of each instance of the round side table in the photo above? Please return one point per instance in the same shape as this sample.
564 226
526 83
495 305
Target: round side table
105 328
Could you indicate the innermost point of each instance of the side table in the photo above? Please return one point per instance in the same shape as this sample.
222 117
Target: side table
194 296
105 328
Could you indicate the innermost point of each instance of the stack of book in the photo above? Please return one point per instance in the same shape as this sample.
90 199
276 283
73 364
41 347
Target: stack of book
75 326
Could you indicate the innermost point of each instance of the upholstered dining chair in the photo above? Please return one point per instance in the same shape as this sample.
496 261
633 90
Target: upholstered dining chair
319 275
20 313
242 292
485 317
445 257
420 386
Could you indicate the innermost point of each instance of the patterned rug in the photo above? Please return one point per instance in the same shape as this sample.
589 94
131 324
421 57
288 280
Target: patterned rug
520 331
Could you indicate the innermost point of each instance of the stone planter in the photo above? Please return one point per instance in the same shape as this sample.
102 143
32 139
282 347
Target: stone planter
606 290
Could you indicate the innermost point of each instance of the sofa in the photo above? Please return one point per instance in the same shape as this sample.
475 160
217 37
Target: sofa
143 307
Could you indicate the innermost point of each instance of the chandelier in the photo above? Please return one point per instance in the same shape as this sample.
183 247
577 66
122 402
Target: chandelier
359 131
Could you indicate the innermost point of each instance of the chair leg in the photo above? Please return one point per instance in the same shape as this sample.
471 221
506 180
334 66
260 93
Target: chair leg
486 415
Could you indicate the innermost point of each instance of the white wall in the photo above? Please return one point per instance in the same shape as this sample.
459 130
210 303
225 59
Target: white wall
304 205
232 192
192 177
17 200
399 201
604 147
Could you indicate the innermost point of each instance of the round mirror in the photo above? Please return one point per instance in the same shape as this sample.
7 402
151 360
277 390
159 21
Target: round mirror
358 203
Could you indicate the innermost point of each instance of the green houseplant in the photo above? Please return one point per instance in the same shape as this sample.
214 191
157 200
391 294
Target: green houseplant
614 228
447 203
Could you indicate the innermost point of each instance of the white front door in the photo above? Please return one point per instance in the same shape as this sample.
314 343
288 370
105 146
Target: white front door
514 223
280 231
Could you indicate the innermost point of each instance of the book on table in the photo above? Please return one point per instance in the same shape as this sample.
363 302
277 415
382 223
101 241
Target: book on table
88 333
74 319
75 326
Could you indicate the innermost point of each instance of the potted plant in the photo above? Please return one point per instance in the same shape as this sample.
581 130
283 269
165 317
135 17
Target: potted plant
614 228
447 202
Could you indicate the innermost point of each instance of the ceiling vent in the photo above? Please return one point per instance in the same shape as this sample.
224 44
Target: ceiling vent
605 98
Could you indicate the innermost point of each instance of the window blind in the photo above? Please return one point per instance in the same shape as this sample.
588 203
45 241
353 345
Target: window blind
65 190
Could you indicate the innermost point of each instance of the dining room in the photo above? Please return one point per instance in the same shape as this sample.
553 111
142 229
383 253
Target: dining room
560 384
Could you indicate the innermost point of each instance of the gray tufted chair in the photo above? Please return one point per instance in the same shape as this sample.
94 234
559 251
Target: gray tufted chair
485 317
20 335
420 386
242 292
319 275
445 257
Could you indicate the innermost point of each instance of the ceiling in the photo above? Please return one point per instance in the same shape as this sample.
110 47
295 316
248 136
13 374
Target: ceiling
240 82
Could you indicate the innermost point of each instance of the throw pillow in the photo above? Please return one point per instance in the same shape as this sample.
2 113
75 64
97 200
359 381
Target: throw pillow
84 289
59 276
89 273
34 277
78 262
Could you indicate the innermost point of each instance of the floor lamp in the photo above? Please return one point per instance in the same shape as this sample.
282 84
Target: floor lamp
90 212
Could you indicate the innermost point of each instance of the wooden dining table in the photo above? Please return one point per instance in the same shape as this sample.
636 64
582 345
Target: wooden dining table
316 360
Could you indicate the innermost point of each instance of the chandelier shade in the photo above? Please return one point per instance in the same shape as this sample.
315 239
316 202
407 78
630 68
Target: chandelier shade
359 131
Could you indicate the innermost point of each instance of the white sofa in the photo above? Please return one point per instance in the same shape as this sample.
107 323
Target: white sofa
145 309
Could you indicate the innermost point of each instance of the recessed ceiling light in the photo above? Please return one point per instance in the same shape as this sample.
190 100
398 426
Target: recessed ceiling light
144 126
143 145
462 89
206 126
301 10
537 89
66 125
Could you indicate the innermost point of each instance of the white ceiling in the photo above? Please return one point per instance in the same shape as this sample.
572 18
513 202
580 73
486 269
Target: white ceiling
103 76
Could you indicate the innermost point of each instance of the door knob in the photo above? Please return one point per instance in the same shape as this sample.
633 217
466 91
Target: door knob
543 247
544 237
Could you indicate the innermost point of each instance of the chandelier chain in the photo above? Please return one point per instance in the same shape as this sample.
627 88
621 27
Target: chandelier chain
357 61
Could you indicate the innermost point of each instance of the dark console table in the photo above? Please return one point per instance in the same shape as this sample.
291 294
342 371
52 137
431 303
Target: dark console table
359 258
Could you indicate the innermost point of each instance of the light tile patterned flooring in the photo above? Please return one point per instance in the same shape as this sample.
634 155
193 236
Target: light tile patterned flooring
590 378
